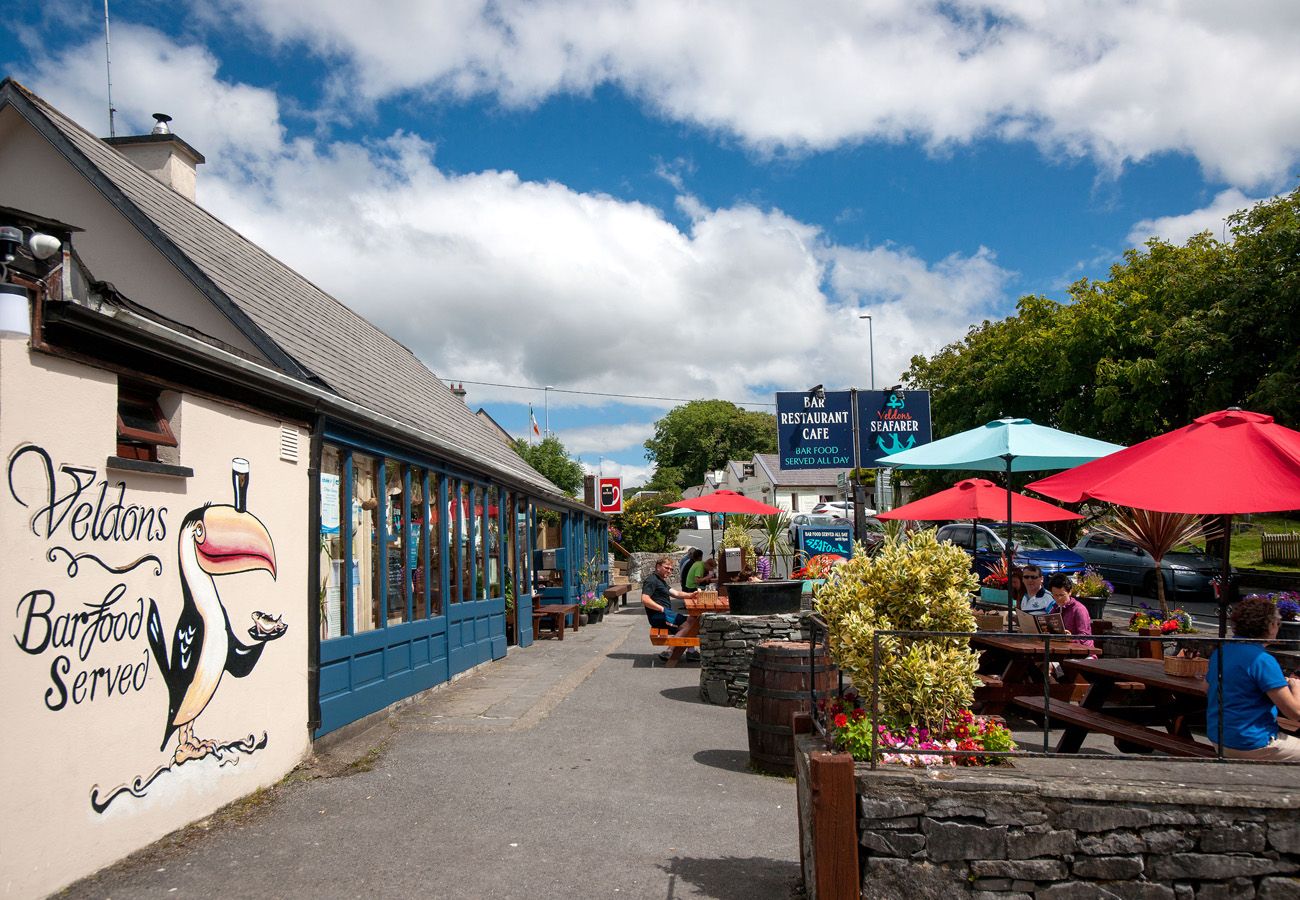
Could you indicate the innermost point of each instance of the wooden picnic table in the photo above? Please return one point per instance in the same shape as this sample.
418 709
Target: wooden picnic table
695 610
1161 721
616 594
1011 666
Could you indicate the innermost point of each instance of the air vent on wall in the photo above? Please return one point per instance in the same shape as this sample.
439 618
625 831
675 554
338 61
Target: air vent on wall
288 443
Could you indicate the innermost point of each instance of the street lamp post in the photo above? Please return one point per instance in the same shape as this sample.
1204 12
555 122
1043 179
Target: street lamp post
871 347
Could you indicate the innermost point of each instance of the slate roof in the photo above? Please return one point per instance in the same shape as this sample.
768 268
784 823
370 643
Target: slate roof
300 327
771 463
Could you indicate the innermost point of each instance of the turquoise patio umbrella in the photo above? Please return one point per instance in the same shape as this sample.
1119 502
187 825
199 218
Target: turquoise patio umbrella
1004 445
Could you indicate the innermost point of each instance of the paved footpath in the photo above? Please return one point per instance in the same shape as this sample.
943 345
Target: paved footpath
576 768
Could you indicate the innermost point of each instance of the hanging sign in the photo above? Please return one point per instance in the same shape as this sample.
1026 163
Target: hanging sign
891 422
610 495
814 430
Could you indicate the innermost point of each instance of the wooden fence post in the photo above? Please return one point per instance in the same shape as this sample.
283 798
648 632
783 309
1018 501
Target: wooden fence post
834 826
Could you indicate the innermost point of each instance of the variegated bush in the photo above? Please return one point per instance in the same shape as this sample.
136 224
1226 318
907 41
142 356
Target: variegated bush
916 585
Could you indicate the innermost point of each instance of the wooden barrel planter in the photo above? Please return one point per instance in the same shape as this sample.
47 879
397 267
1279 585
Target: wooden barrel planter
780 686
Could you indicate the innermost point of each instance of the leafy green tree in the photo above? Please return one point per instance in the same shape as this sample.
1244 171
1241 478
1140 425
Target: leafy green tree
642 529
702 435
553 462
1175 332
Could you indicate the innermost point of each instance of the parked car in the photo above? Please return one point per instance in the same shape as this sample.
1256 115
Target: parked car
819 519
841 508
1189 574
986 543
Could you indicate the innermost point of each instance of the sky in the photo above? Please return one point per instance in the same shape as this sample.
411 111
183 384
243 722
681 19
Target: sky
644 202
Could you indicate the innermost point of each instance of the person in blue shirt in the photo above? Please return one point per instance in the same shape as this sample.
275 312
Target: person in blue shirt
1254 689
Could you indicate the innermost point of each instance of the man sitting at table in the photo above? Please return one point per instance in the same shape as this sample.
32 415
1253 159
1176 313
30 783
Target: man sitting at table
1074 615
702 572
1254 689
1036 599
657 598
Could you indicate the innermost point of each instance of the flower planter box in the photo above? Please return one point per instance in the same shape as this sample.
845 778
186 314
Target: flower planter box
1096 606
996 596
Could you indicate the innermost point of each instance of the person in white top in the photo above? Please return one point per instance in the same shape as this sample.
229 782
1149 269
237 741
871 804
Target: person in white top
1037 599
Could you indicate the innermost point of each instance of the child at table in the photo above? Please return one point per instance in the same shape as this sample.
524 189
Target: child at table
1074 615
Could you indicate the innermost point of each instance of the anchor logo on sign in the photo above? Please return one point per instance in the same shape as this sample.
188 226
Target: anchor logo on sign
897 446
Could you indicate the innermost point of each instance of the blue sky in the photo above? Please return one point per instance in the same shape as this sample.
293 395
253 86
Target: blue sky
691 199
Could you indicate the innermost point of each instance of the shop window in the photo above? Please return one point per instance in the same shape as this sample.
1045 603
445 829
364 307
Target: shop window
435 518
398 545
141 426
418 536
366 535
333 621
492 546
454 549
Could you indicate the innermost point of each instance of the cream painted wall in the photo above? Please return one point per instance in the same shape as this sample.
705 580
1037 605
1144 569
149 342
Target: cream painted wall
36 179
54 762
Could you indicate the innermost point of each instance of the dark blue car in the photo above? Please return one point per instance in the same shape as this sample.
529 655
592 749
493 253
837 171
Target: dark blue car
987 542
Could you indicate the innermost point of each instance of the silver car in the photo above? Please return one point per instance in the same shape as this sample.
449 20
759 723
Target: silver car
1189 574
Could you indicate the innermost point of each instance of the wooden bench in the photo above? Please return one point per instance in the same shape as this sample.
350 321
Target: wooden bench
616 594
1079 721
662 637
555 614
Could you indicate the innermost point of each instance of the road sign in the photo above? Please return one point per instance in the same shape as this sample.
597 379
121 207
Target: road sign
842 481
610 495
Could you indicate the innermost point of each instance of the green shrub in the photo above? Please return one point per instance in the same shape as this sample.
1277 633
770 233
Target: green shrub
920 585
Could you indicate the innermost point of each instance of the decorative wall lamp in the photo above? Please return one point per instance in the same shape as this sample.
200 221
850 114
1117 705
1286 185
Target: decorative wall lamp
15 314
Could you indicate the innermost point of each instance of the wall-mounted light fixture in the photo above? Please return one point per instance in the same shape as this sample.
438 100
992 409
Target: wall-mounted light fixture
15 312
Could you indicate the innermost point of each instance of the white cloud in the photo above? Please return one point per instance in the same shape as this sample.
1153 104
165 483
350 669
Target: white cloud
599 439
1111 79
632 475
490 278
1177 229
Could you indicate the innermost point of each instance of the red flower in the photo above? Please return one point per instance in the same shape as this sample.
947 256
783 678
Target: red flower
841 720
859 715
961 731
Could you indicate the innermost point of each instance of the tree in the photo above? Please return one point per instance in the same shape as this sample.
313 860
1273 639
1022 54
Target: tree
1175 332
641 528
553 462
702 435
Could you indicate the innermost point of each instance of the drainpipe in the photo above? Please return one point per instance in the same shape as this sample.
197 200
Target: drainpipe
313 574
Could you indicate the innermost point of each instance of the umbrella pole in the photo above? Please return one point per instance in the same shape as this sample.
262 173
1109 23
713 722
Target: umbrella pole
1225 575
1008 550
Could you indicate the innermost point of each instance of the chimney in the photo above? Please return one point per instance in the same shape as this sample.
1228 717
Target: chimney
163 155
458 391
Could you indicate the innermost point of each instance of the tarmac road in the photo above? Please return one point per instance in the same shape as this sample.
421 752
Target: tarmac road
575 768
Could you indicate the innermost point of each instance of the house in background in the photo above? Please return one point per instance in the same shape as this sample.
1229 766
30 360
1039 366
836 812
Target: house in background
792 490
216 469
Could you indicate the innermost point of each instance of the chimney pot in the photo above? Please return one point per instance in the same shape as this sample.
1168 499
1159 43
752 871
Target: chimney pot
161 127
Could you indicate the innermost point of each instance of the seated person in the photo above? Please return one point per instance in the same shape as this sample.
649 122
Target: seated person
693 556
748 574
1254 689
701 573
657 598
1074 615
1015 586
1036 599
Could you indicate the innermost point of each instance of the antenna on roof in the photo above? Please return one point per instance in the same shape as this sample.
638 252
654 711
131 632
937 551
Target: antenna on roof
108 67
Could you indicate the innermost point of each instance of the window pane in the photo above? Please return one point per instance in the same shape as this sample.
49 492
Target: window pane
472 537
454 526
418 538
365 542
436 519
493 513
332 620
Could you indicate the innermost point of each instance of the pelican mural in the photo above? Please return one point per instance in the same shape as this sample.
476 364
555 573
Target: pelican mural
213 541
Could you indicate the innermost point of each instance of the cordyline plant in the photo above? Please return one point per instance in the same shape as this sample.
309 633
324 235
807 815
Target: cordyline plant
1157 533
920 585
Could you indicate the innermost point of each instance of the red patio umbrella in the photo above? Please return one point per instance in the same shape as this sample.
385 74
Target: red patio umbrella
727 503
979 498
1224 463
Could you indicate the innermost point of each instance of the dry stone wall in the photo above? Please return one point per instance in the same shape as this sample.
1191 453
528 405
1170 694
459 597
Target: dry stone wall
991 836
727 649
